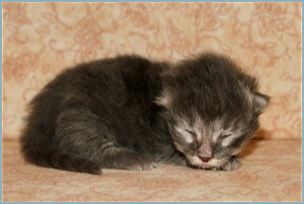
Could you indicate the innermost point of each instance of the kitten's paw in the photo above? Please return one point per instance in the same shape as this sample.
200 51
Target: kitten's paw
143 167
233 164
150 166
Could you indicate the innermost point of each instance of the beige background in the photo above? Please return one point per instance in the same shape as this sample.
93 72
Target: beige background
41 39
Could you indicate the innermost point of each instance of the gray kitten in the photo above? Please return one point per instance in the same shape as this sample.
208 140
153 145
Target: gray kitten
129 113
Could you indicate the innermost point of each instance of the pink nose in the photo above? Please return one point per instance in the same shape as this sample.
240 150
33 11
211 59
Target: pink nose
205 159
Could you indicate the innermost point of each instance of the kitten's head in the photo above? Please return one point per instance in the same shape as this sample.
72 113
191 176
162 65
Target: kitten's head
212 109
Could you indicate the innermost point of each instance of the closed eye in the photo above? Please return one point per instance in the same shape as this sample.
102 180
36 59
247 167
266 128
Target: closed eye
193 144
186 134
225 136
192 136
190 132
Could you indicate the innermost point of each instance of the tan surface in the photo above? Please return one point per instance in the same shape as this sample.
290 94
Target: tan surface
41 39
271 171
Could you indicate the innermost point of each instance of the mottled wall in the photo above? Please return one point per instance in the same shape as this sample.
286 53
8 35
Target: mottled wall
41 39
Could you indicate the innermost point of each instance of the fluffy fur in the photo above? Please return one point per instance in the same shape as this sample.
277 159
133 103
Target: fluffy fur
131 113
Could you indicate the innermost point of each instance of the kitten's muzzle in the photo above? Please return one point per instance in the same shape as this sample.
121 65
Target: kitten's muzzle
205 152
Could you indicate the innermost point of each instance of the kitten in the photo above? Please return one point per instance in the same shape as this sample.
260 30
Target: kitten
131 113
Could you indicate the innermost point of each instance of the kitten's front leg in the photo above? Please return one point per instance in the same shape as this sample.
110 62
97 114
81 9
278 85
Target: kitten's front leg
123 158
233 164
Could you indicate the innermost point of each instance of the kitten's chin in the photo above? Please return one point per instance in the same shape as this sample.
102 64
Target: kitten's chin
213 163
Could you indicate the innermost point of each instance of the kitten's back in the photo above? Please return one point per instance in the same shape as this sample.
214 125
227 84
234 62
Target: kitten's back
102 86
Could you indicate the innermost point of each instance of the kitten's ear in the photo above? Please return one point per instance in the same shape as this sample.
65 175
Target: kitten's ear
164 99
261 102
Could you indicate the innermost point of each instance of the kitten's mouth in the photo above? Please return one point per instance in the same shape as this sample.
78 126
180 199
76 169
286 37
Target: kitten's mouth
196 162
